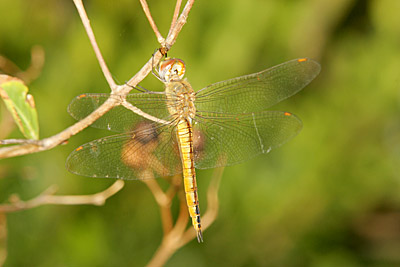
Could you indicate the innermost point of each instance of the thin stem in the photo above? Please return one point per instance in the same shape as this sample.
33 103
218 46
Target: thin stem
144 71
164 203
171 240
3 238
89 31
212 198
36 66
178 237
176 14
173 33
32 72
183 216
18 141
153 25
7 66
138 111
47 198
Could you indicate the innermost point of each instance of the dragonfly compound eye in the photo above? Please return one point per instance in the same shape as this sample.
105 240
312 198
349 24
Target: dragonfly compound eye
172 69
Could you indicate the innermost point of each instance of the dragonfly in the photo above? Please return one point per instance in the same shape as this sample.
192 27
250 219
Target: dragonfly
161 134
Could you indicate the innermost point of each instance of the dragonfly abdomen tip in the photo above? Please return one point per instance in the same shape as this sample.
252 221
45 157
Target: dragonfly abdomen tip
199 236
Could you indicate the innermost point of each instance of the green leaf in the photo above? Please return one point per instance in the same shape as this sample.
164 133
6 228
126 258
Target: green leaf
21 105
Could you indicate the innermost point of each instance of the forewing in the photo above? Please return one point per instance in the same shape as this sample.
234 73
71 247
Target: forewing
222 140
147 152
258 91
120 118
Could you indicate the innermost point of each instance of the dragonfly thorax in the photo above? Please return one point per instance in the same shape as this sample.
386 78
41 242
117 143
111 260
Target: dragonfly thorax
180 99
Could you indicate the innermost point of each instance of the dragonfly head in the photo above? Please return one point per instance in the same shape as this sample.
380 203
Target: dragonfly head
172 69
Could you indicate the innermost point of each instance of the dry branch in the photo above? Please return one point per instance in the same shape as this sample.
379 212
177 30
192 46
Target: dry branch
176 29
153 25
48 198
32 72
92 38
180 235
3 238
123 90
176 14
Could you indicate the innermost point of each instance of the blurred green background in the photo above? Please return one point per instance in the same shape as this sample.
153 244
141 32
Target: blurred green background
330 197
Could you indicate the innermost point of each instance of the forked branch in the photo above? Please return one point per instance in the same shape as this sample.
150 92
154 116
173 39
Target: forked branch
48 198
123 90
180 234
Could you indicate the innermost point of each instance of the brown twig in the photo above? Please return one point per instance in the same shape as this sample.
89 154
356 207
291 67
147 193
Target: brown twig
175 16
36 66
3 238
18 141
92 38
32 72
143 72
153 25
7 66
170 241
173 33
179 234
47 198
164 203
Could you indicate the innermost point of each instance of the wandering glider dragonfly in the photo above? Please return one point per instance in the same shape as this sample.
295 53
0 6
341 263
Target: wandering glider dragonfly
178 130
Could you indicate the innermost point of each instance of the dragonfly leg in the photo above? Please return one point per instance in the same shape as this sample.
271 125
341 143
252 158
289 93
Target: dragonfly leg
139 88
154 69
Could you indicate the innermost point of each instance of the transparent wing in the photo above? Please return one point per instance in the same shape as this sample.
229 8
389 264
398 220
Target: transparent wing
258 91
223 139
149 151
146 152
119 119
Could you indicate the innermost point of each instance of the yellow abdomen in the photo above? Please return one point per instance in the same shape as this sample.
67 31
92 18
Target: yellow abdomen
185 140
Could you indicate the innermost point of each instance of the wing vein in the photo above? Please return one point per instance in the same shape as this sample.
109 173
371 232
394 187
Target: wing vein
258 134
